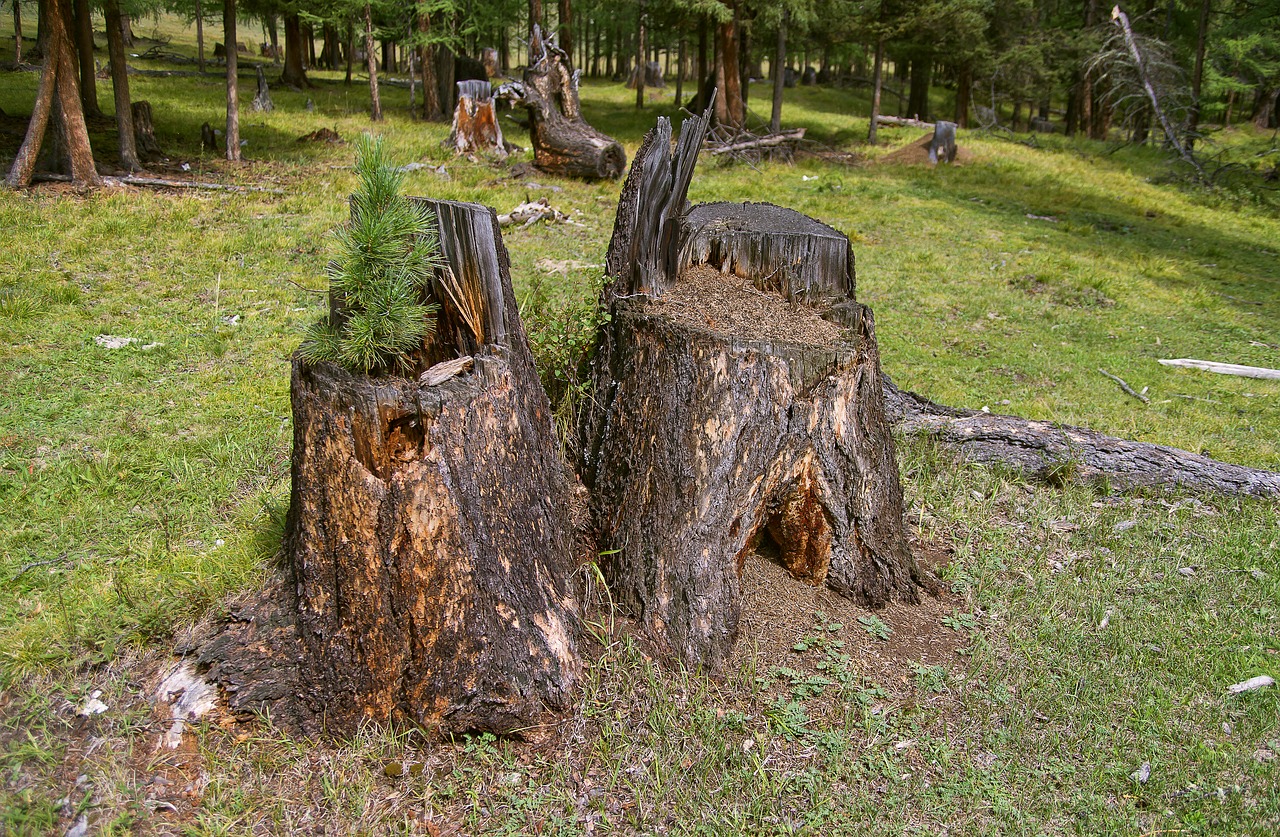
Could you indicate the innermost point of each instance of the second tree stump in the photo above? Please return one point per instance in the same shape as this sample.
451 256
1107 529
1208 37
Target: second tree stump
737 406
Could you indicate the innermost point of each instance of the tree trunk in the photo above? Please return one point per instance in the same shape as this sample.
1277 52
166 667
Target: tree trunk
120 88
680 62
371 61
232 134
1197 76
294 75
564 27
475 122
964 91
57 86
199 35
641 64
84 51
430 87
779 72
877 82
563 143
428 537
535 14
17 31
704 441
351 50
273 37
1058 453
729 109
918 98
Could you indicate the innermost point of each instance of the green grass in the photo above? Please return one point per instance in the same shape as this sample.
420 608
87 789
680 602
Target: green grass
141 487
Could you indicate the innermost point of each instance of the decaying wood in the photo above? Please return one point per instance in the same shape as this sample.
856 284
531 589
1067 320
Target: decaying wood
563 142
1057 453
902 121
144 132
428 541
160 183
475 121
1224 368
756 143
445 370
700 447
262 101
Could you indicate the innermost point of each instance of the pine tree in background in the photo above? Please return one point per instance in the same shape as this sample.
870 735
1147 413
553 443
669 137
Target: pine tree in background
387 254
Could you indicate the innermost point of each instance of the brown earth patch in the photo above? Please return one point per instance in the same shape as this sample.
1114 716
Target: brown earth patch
917 154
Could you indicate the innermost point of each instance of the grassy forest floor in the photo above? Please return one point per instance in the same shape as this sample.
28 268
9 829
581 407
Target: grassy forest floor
1086 633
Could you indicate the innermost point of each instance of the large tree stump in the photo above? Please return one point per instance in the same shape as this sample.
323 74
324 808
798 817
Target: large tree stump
428 538
729 415
475 121
563 142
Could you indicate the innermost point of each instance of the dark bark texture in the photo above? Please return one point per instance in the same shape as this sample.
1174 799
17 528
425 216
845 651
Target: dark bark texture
700 447
563 143
1060 453
428 535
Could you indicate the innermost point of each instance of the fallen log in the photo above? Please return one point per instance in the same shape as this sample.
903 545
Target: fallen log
1057 453
902 122
159 183
1224 368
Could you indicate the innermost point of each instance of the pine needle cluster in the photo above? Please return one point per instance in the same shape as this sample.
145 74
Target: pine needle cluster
386 256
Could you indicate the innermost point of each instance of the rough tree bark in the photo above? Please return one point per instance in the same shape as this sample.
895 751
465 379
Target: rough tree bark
293 74
199 35
17 31
144 134
83 24
232 133
371 61
120 88
779 72
700 446
1060 453
428 538
475 122
57 81
730 110
431 110
563 143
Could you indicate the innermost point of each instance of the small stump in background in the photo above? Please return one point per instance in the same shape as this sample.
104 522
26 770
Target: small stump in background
475 122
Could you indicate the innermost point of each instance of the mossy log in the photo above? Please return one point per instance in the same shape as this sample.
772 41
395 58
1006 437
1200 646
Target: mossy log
702 446
428 539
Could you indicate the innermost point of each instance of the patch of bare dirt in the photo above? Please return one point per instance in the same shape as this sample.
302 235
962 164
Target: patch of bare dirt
727 304
917 154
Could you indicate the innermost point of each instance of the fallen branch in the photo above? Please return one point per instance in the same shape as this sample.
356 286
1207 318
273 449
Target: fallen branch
769 141
902 122
1124 386
1224 368
1056 453
159 183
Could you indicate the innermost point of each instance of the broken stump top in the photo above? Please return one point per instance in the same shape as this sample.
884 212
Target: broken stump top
778 249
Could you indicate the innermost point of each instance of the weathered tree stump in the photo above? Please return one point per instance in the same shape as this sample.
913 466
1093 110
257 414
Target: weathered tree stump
728 415
262 101
563 143
475 121
144 132
943 144
428 538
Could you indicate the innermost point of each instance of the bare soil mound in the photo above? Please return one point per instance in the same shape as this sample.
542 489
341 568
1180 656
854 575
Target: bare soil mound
917 154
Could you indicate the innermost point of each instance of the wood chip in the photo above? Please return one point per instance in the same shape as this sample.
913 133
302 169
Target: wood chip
443 371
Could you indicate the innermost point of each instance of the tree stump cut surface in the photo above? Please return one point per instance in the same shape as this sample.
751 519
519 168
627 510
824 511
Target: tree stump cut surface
711 438
428 536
